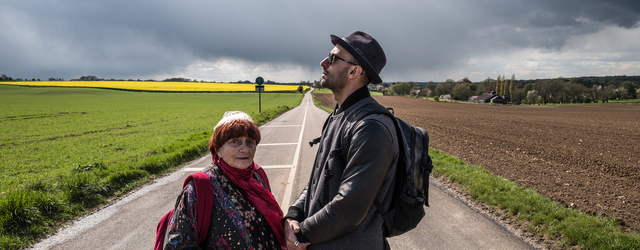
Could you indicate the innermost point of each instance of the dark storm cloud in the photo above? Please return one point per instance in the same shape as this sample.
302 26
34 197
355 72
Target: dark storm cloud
549 23
133 39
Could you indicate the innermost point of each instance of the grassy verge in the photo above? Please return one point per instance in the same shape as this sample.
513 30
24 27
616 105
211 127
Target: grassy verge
569 227
66 151
319 105
322 91
626 101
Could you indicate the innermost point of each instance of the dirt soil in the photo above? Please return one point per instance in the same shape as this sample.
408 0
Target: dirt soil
586 157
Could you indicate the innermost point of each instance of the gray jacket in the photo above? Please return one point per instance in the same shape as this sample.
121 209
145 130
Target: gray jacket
336 209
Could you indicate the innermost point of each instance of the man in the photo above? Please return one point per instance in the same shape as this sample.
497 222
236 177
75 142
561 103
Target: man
355 163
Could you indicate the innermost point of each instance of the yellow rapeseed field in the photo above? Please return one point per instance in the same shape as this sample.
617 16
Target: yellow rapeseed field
161 86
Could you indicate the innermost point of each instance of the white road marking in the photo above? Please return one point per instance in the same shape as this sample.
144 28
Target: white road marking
286 201
277 144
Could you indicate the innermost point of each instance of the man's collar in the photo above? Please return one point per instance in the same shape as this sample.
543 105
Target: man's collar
356 96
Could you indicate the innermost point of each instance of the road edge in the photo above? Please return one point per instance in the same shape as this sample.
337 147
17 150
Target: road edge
516 228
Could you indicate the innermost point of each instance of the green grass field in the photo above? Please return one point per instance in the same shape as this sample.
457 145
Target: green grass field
66 150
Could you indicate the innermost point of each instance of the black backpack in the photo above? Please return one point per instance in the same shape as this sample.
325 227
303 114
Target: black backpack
413 168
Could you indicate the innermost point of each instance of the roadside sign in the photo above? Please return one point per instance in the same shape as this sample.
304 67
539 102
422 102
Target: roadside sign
259 89
259 80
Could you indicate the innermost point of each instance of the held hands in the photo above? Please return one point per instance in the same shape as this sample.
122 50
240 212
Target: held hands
291 227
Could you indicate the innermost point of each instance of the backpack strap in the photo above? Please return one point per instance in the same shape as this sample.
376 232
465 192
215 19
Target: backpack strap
204 197
317 140
427 160
362 115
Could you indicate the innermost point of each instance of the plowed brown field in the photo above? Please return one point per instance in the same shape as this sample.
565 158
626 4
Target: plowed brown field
586 157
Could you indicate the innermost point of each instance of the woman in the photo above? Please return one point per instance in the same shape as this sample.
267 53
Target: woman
245 216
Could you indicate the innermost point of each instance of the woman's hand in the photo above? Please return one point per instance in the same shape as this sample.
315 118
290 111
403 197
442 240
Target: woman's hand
291 227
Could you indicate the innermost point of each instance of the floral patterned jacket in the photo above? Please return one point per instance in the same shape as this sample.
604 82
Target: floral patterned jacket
235 224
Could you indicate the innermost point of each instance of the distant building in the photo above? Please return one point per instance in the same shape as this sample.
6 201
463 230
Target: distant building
497 99
376 87
473 99
485 97
445 97
490 98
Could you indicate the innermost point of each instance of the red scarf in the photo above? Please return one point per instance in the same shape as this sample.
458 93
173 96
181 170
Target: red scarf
257 195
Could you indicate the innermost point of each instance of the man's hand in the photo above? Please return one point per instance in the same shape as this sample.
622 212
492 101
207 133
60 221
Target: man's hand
291 227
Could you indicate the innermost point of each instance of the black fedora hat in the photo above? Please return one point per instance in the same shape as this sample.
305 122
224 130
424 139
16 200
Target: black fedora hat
366 50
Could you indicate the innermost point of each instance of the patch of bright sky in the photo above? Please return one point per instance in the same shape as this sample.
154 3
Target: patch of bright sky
611 51
233 70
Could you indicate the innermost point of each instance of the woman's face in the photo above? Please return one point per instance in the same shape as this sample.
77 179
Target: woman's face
238 152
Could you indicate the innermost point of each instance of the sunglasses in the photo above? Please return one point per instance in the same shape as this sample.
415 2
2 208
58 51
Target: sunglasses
332 58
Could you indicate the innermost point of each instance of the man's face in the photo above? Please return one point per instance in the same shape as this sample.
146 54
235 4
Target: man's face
334 75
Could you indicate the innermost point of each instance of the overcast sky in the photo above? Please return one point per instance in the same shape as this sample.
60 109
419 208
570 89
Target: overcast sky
285 40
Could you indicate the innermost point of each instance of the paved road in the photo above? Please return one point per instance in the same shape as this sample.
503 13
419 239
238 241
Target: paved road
285 154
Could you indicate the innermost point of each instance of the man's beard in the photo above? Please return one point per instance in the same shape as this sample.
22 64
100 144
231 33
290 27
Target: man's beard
335 81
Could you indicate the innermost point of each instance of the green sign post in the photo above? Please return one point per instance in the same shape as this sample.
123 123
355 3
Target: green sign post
259 88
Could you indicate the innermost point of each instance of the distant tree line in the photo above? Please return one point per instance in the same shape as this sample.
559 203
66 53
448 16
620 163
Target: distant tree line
94 78
559 90
88 78
179 79
5 78
567 91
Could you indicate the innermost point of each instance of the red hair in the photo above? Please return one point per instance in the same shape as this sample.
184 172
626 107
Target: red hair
233 129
